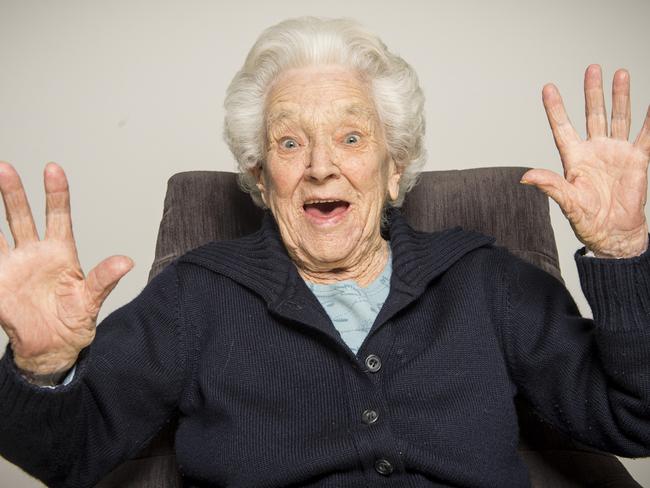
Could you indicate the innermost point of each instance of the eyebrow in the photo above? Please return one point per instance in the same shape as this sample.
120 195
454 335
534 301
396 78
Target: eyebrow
281 116
355 110
359 111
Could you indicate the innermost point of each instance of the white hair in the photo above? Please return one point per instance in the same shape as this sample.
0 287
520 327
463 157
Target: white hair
309 41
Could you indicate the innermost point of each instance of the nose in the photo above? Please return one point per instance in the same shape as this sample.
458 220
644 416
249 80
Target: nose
321 165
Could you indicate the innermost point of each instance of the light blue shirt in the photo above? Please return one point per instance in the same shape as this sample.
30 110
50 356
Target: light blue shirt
352 308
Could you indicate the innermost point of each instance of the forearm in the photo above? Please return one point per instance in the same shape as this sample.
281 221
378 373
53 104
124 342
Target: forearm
589 378
618 291
126 385
37 424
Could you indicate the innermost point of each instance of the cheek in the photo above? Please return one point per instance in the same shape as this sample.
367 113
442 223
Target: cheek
283 178
367 175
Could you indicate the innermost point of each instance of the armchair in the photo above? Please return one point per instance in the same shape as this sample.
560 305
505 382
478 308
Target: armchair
202 206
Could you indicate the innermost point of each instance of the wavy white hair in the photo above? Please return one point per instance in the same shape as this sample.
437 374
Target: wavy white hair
309 41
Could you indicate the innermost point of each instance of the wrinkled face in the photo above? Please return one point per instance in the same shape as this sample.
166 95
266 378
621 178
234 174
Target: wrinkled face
327 172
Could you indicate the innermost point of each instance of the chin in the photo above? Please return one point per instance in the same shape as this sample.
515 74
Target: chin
335 246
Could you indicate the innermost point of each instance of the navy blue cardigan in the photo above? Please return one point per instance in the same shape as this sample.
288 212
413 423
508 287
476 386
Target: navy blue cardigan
230 340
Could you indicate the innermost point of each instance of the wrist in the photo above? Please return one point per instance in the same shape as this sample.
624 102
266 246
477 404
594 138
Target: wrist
47 379
44 371
623 247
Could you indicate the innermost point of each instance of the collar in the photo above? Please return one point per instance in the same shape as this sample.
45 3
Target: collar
260 263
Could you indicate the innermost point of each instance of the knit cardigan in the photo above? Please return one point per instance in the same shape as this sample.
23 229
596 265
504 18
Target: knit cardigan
229 340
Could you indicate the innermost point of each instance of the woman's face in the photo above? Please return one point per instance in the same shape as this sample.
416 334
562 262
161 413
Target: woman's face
327 172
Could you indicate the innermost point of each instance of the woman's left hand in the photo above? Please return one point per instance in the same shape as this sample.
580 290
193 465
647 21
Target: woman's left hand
603 191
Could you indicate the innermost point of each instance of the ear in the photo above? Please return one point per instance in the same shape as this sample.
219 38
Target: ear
258 174
394 176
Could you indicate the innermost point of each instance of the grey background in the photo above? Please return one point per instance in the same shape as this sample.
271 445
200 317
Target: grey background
125 93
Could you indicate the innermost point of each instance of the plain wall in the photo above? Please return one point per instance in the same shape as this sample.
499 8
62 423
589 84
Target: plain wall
125 93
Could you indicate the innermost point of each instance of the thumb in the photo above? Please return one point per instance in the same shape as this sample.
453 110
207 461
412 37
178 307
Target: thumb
552 184
104 277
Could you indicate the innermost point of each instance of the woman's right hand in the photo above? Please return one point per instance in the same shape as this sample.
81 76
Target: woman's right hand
48 308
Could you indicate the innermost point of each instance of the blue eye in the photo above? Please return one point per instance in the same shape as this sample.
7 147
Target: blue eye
289 143
352 139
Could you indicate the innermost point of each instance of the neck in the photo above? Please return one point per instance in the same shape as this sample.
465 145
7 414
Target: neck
366 269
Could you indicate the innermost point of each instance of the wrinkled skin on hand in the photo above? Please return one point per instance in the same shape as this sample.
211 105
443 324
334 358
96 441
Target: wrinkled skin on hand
48 307
603 190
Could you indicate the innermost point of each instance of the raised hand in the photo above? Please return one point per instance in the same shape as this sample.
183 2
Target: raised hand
47 307
603 191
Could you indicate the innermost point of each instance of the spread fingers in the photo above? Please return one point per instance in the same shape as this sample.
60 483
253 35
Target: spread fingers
57 204
4 246
643 139
595 103
563 132
19 215
621 112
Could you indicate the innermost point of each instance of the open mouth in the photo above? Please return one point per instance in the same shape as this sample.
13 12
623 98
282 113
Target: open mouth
325 209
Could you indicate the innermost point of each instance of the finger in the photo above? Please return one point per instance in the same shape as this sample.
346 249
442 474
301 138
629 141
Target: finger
4 246
552 184
643 139
563 132
57 204
104 277
19 215
621 112
595 103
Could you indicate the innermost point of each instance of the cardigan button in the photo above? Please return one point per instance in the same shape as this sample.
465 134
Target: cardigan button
369 417
383 467
373 363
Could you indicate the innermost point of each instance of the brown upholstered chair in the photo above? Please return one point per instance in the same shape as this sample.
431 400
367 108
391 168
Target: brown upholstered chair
201 206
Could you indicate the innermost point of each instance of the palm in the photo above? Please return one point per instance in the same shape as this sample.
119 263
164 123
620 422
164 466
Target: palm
43 299
603 190
47 307
608 189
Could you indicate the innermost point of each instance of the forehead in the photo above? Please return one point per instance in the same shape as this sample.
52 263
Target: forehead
319 90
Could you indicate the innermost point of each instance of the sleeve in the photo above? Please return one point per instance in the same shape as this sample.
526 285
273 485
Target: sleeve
66 380
589 378
69 377
126 385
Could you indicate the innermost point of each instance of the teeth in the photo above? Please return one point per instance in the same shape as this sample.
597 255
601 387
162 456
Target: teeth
309 202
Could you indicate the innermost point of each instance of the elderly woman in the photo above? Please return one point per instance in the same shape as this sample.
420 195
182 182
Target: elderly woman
243 342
